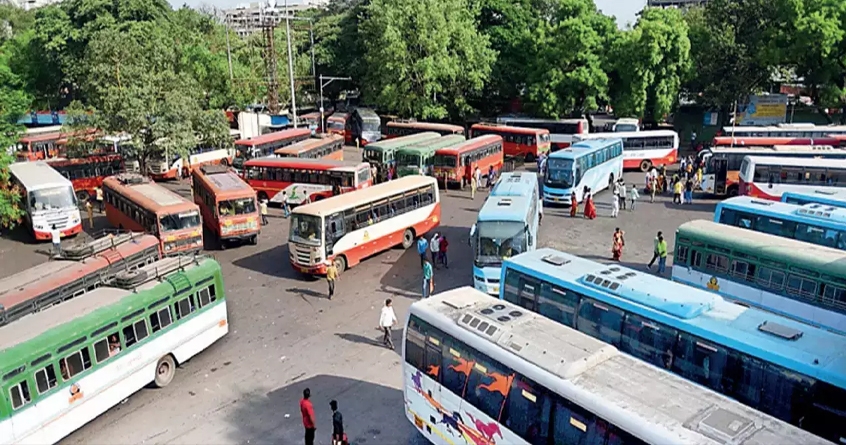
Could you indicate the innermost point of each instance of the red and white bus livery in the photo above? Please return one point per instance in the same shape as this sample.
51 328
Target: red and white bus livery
727 141
560 131
304 180
86 174
768 177
172 166
265 145
527 143
642 149
348 228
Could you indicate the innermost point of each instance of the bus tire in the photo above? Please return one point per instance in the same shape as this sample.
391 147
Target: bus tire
340 264
165 370
732 191
254 240
407 238
83 195
645 165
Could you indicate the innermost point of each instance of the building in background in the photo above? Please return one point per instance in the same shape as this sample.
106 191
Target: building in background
32 4
247 18
675 3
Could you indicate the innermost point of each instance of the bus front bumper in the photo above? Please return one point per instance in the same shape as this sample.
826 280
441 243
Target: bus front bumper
317 269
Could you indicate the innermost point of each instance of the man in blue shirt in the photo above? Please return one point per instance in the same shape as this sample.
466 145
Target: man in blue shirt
427 278
422 247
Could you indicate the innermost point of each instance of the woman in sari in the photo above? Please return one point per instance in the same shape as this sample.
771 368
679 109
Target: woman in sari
590 207
618 243
574 205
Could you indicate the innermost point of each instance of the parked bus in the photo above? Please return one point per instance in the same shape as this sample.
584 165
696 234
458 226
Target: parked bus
382 154
227 203
337 123
304 180
721 175
626 125
768 177
79 268
265 145
800 130
311 121
811 223
47 198
456 164
518 142
789 370
325 147
86 174
395 129
561 131
476 368
173 166
507 225
832 198
594 164
348 228
39 146
68 364
419 158
772 142
364 126
643 149
134 202
788 277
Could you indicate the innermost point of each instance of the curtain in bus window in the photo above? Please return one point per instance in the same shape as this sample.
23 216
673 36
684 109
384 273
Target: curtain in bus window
775 227
527 411
649 340
785 394
557 304
702 362
488 386
600 321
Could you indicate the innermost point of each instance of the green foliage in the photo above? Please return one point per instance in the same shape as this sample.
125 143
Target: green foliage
424 57
13 103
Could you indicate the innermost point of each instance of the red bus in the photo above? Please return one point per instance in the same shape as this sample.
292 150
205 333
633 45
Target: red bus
88 173
527 143
264 145
304 180
227 203
395 129
46 145
330 146
727 141
337 123
80 268
311 121
136 203
840 138
456 164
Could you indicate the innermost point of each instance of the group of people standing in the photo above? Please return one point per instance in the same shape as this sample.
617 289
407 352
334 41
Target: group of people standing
683 183
309 420
438 247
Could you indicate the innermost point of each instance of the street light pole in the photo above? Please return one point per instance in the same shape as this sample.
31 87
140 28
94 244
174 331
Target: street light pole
329 80
290 64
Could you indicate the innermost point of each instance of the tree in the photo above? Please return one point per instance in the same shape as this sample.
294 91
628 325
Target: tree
13 103
648 65
424 57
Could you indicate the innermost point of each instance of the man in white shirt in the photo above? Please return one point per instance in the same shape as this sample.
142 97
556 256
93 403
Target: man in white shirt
387 320
56 235
435 247
477 175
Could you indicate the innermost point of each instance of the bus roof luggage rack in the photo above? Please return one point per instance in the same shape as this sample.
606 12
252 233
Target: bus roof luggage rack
210 169
131 179
153 271
109 240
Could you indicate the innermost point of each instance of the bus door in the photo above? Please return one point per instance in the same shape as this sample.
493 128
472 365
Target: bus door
720 166
334 231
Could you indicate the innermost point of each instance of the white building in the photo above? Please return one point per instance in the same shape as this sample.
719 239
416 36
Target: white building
32 4
247 18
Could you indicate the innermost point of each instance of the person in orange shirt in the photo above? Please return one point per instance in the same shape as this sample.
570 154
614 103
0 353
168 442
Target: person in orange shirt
307 410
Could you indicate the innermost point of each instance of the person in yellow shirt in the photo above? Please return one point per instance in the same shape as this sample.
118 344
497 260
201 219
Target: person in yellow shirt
331 276
662 254
677 190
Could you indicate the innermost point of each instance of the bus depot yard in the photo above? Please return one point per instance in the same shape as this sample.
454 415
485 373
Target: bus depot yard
286 335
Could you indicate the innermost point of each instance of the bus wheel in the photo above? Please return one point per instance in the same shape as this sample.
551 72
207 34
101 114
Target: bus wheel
645 165
254 240
82 195
165 370
340 264
407 238
222 245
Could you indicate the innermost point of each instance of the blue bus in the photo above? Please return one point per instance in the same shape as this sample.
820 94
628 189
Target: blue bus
812 223
833 198
789 370
594 163
507 225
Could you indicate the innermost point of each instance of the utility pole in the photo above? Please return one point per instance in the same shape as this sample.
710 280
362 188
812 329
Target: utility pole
228 50
328 81
290 64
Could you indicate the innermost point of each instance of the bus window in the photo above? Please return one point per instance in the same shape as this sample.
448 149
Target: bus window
700 361
488 385
558 304
600 321
649 341
527 411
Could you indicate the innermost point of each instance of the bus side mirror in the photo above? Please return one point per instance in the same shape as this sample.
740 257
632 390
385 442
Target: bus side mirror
472 239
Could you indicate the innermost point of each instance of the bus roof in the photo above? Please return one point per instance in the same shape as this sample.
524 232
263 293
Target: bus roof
825 260
506 119
820 213
148 194
402 141
582 148
432 145
801 126
470 144
37 175
339 116
515 184
505 208
38 137
107 157
224 184
838 137
817 352
830 196
275 136
778 150
662 408
772 141
797 162
364 196
625 134
433 126
308 144
305 164
508 129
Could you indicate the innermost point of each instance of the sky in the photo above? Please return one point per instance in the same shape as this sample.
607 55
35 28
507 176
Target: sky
623 10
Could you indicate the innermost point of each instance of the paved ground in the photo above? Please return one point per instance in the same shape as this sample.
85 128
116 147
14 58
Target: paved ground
286 336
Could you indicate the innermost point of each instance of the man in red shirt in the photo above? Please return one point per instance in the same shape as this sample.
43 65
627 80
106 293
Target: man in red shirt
444 245
308 417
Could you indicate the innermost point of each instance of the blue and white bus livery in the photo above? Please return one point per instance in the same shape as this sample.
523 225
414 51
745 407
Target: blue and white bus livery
595 164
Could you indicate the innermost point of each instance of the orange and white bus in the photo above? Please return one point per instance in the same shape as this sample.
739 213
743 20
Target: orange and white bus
227 203
135 203
171 166
527 143
727 141
311 121
560 131
456 164
337 123
304 180
88 173
642 149
265 145
47 145
395 129
768 177
330 146
348 228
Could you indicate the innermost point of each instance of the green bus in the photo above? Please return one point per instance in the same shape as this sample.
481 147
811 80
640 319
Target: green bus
381 154
418 159
62 367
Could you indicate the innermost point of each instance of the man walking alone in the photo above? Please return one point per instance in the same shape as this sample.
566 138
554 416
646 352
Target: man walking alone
307 410
331 276
386 320
655 255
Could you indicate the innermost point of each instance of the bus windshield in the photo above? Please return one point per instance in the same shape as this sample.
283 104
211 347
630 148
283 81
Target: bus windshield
335 125
371 155
445 161
408 159
241 206
179 221
52 198
305 229
498 240
370 124
559 173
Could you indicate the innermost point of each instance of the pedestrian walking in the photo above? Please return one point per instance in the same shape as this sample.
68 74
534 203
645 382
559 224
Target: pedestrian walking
285 208
618 242
307 411
491 177
422 249
98 193
435 248
338 435
662 254
654 190
374 173
331 276
56 237
90 210
683 165
472 188
633 197
428 279
655 255
574 205
263 211
443 251
477 175
387 319
390 174
623 194
677 191
590 207
615 205
688 191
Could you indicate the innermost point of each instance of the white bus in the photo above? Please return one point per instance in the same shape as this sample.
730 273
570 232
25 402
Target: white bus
48 198
352 226
561 131
801 130
767 177
121 144
596 165
482 371
171 166
643 149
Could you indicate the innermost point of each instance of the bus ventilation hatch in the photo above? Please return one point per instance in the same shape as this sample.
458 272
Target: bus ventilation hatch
762 203
555 260
780 330
158 270
210 169
723 425
505 202
826 213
